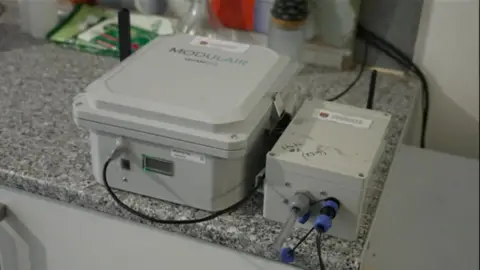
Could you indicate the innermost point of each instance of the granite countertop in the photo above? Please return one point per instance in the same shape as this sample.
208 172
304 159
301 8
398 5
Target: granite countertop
43 152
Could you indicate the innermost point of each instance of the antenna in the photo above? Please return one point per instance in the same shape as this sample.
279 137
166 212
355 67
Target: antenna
371 90
124 43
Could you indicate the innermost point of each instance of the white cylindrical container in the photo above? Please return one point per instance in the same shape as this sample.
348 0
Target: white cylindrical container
38 17
287 41
288 22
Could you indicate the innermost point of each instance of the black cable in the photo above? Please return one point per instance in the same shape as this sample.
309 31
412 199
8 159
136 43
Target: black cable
318 241
352 84
379 43
371 90
393 52
397 55
390 50
2 8
163 221
303 239
405 63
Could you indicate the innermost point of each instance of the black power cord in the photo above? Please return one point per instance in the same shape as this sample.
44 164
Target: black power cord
357 78
318 240
164 221
371 39
2 8
401 58
371 90
302 239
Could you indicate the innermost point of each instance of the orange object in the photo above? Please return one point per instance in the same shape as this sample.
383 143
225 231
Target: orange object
238 14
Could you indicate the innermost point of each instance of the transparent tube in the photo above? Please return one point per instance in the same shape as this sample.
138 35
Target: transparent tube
200 20
285 232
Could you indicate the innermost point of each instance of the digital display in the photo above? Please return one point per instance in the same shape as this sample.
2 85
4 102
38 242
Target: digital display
158 165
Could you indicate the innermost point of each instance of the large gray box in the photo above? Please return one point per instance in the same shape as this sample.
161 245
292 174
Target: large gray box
193 113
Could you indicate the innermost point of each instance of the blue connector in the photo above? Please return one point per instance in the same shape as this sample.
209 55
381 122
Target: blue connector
331 202
303 219
287 255
323 222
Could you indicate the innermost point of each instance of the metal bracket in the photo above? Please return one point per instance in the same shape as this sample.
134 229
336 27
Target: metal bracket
3 211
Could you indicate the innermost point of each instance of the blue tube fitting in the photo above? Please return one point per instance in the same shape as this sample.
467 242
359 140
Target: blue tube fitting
287 255
323 223
303 219
332 204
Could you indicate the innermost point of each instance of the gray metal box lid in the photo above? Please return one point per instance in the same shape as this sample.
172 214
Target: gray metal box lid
191 85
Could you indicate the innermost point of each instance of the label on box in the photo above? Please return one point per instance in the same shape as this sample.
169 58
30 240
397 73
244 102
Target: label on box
220 44
339 118
181 154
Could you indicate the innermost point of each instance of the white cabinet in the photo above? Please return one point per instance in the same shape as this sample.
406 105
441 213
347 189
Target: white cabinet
42 234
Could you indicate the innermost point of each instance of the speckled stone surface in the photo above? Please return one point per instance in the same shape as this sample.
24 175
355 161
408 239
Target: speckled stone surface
43 152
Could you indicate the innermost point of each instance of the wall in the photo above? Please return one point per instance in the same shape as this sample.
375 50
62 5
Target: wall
447 50
41 234
393 20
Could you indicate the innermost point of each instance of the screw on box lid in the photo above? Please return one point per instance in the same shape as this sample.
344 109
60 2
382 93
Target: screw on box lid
206 84
348 143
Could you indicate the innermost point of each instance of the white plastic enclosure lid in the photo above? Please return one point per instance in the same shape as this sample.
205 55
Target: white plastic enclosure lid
190 81
334 137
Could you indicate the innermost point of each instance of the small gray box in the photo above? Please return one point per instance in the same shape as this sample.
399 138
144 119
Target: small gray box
328 149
